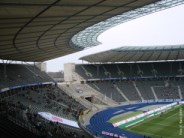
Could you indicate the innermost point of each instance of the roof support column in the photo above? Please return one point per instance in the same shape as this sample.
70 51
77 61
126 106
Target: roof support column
170 67
34 71
130 69
5 63
97 71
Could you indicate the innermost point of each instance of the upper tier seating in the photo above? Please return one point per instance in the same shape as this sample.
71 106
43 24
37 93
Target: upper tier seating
89 71
21 74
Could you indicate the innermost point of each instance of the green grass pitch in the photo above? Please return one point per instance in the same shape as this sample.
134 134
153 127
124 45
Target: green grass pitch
123 117
168 125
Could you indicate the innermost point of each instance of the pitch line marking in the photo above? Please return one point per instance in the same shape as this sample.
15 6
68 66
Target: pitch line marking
180 121
161 125
172 115
151 134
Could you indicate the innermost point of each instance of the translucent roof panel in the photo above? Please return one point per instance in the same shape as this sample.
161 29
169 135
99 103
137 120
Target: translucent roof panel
90 34
39 30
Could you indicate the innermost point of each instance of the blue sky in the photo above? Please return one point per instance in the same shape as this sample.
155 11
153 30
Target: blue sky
161 28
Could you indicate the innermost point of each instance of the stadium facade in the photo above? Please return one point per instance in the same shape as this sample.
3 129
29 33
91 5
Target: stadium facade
42 30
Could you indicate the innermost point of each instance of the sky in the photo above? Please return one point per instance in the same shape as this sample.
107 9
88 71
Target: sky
161 28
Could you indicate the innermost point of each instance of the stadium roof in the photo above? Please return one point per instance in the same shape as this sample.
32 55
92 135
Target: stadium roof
39 30
138 54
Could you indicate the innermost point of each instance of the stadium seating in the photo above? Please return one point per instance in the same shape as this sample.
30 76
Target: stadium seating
38 98
147 88
89 71
108 89
144 87
129 90
51 99
135 81
45 99
21 74
10 129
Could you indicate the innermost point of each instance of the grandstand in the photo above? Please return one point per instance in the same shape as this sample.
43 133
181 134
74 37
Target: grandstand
147 83
33 91
161 84
83 105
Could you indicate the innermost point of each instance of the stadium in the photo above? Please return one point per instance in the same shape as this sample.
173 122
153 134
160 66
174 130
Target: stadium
126 92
